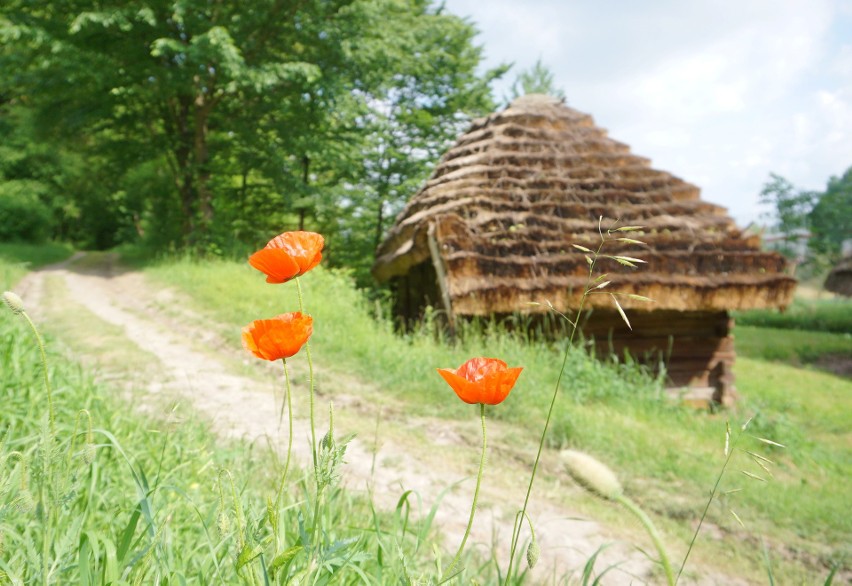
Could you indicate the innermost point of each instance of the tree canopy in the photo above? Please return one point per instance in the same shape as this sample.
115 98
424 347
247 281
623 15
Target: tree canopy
823 218
204 124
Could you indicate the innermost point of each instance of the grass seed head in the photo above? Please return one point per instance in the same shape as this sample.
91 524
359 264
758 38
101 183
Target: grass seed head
592 474
223 523
533 553
25 502
89 452
14 302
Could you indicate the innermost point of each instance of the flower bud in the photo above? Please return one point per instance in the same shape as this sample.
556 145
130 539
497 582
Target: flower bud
592 474
14 302
533 553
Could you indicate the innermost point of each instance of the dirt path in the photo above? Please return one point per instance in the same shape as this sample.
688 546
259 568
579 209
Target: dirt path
193 363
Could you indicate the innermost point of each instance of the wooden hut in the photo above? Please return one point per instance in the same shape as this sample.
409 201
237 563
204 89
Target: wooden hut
493 227
839 280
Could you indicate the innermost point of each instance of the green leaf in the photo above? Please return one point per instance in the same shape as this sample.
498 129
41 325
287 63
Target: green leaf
247 554
284 557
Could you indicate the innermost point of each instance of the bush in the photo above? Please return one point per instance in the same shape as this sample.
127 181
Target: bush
23 216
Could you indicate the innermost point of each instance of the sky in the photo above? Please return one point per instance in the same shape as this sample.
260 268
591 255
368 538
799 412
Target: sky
720 93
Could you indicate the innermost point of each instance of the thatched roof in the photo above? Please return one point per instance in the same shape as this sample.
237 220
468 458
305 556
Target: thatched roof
839 280
507 201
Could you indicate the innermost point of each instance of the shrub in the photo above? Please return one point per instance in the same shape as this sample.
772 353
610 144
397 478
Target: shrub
23 216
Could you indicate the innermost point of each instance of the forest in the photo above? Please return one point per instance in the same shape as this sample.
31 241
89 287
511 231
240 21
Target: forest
207 125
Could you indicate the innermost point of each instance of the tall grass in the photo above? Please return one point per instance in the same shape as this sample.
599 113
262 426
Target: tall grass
669 455
107 496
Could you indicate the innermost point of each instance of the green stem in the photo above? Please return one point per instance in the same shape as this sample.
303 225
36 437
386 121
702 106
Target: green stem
48 440
652 532
51 415
574 326
475 494
707 506
311 382
290 430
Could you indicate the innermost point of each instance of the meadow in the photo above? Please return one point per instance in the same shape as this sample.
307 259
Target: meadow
138 497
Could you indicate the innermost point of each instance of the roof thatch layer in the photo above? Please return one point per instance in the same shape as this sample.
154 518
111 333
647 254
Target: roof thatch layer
839 280
507 201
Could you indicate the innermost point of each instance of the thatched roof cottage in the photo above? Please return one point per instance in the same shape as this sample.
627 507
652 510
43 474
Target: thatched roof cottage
493 227
839 280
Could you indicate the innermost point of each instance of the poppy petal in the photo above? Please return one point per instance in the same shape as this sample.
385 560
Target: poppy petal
279 337
482 380
462 387
278 266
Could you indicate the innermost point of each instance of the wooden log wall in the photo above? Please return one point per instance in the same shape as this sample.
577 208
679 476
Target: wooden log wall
413 292
696 347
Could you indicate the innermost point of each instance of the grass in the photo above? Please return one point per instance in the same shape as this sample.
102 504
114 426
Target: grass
795 348
817 315
17 257
108 496
669 455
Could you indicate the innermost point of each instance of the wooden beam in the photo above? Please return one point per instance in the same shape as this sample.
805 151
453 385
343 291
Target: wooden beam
441 274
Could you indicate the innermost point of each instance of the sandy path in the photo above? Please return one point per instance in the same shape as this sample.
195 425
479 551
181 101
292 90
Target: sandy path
196 366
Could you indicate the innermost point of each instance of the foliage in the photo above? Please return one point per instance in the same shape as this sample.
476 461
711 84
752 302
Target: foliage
789 211
538 79
831 217
23 216
186 122
822 218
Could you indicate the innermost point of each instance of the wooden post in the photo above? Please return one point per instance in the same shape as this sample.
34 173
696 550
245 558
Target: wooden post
441 274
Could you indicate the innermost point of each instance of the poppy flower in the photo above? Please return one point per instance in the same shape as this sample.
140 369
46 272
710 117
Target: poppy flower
482 380
288 255
279 337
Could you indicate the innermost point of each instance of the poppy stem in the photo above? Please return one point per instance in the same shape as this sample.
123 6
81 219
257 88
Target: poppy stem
310 381
475 494
290 429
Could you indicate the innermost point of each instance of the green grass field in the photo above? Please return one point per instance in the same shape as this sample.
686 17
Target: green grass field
147 505
615 412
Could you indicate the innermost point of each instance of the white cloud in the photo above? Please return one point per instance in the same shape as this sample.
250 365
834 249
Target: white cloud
720 93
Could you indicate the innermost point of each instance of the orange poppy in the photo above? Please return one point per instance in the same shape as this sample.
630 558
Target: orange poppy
279 337
288 255
482 380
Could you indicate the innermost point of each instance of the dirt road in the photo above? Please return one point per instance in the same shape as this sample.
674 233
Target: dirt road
186 359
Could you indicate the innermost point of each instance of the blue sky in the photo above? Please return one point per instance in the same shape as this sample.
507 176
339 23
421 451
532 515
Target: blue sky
717 92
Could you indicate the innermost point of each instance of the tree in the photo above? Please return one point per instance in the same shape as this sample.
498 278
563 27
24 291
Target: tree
252 111
536 80
789 209
831 218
